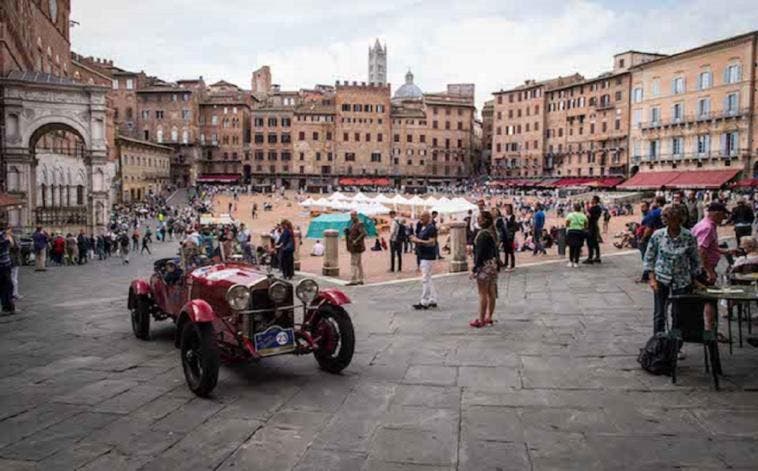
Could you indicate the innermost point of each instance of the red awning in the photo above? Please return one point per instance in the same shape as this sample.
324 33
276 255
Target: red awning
604 182
746 183
365 181
7 200
217 178
649 180
705 179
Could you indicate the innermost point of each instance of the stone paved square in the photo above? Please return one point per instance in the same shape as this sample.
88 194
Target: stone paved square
553 385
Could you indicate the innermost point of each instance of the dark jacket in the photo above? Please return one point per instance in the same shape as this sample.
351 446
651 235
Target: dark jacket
742 214
286 241
485 249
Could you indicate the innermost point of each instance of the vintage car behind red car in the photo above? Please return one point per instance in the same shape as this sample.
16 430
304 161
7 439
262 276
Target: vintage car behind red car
237 312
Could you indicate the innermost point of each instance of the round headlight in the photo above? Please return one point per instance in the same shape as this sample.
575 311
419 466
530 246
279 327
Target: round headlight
307 290
238 297
278 292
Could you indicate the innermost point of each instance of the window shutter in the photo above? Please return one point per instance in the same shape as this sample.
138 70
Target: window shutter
673 86
726 103
726 75
736 142
739 73
723 144
700 81
684 84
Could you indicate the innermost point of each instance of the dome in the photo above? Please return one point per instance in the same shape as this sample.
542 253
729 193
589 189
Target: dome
409 90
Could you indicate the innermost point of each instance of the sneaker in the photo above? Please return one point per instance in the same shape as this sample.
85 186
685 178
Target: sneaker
432 305
681 355
570 264
420 306
575 265
589 261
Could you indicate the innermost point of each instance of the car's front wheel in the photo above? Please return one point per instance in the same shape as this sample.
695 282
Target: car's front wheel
334 337
140 313
200 357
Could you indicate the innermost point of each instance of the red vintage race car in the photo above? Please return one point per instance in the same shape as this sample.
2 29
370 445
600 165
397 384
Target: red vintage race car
235 312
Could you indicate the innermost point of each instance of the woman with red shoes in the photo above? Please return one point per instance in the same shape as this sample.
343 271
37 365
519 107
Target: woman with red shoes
485 268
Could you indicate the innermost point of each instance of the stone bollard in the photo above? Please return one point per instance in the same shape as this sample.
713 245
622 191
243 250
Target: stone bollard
296 255
331 253
458 261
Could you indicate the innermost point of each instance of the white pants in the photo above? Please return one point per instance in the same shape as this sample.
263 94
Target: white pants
14 278
428 293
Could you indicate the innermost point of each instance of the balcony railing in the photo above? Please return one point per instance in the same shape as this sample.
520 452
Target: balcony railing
691 155
694 118
58 217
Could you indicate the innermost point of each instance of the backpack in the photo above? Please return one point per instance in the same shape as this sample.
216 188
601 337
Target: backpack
659 354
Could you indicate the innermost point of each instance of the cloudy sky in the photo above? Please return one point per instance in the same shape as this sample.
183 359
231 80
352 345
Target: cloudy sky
492 43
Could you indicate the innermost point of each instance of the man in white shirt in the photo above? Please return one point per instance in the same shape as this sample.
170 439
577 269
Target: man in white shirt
318 249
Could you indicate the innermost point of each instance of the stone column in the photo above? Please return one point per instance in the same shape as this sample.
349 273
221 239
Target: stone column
458 261
297 235
331 253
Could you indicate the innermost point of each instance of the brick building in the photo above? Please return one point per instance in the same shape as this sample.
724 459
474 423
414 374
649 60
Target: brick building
696 109
488 115
587 123
144 167
224 129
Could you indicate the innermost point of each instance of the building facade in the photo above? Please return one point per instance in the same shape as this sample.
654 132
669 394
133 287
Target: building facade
696 109
144 167
224 129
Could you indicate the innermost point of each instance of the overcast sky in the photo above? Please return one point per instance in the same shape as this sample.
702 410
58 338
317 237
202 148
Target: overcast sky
493 43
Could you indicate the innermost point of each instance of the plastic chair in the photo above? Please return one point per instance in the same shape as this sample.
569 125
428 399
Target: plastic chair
688 326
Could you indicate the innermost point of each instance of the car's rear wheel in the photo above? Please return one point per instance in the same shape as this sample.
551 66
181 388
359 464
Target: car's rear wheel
140 313
335 338
200 357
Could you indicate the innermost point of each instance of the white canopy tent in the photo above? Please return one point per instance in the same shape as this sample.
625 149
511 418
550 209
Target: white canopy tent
307 203
337 196
381 198
360 198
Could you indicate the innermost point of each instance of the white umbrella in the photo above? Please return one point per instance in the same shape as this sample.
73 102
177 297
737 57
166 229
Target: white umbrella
416 201
360 197
399 199
380 198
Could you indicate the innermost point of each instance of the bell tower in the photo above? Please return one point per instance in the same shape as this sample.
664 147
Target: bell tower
377 64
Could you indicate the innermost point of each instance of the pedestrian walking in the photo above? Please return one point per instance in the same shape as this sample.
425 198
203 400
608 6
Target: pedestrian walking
426 242
124 243
15 254
82 243
6 282
594 213
742 217
356 245
40 241
397 235
538 220
135 240
72 249
145 244
508 238
485 268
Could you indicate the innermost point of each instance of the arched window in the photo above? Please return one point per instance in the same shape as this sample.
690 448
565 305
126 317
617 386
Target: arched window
159 135
185 136
174 135
80 195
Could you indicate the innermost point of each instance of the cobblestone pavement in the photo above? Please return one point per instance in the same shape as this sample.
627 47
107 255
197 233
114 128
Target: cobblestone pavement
553 385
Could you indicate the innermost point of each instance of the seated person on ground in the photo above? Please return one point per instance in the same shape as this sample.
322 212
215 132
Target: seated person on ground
318 249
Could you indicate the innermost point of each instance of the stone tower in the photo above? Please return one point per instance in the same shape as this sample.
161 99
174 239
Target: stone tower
377 64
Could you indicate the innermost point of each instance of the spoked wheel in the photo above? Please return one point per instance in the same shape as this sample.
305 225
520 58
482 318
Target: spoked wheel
200 357
140 314
335 339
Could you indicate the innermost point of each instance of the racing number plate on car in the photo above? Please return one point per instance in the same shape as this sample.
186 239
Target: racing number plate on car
274 340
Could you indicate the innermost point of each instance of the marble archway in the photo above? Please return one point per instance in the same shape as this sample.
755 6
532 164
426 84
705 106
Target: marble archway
45 178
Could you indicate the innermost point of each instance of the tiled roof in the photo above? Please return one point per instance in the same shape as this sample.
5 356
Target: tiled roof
40 77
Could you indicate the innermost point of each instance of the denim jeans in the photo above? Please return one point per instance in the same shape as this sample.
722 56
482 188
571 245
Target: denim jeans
660 298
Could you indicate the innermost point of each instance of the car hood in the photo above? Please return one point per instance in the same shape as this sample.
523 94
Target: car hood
229 274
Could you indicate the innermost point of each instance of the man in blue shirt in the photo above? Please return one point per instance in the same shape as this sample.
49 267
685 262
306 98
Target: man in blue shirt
538 222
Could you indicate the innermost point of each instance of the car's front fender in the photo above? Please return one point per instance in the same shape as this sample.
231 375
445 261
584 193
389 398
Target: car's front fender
140 288
199 311
332 296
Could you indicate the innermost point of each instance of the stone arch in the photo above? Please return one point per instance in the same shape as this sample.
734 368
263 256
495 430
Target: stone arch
56 123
